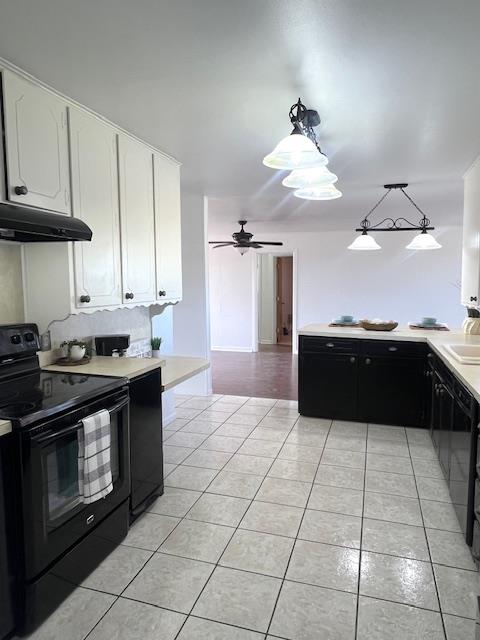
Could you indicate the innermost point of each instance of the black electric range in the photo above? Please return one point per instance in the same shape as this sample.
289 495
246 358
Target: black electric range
57 538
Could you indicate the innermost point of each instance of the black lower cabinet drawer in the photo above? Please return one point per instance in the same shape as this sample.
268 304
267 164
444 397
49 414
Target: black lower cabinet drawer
391 390
328 386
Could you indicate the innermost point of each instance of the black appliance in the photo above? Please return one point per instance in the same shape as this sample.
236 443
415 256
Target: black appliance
25 224
7 541
106 345
60 540
146 447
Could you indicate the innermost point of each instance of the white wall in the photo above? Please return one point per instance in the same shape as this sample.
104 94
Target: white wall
231 299
266 307
331 280
191 328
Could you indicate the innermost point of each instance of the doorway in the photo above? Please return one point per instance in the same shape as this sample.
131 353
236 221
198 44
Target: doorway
276 302
284 300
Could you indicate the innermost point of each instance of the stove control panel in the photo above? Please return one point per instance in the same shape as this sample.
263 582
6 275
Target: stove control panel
18 340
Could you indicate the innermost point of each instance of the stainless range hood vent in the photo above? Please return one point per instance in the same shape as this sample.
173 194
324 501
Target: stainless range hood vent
21 224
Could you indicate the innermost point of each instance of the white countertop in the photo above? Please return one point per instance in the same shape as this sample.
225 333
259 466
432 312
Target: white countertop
175 369
5 427
469 374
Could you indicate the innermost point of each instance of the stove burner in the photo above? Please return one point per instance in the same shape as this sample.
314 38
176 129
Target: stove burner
18 409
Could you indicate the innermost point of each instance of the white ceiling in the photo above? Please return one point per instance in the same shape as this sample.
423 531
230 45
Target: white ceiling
211 82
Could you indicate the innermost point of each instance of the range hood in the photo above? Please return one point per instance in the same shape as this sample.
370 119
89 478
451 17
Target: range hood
21 224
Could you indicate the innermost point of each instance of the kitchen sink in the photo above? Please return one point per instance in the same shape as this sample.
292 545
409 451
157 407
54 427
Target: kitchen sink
465 353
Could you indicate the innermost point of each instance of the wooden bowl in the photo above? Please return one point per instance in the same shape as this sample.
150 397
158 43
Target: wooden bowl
378 326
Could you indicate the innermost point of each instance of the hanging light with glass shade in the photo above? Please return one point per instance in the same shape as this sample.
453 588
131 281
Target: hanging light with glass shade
421 242
299 150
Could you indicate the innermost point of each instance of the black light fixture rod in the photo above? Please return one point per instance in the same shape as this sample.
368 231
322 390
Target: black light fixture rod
413 228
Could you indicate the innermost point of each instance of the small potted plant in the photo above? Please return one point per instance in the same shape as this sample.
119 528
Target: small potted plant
156 342
74 349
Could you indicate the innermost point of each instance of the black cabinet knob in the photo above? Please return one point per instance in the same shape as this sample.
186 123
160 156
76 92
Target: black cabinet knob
84 298
330 345
473 298
368 361
21 190
352 359
129 296
162 293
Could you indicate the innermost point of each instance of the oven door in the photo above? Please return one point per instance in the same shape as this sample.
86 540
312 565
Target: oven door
55 517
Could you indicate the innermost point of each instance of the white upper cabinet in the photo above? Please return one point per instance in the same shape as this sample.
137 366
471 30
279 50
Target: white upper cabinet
168 234
137 221
36 140
471 238
94 171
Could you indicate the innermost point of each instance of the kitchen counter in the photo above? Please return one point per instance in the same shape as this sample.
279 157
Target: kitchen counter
5 427
175 369
469 374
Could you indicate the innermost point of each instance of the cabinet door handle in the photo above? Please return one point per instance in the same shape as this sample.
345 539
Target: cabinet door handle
330 345
85 298
162 293
368 361
353 359
393 348
21 190
473 298
129 296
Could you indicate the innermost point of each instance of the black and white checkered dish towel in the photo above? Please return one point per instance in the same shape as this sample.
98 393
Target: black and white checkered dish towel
94 468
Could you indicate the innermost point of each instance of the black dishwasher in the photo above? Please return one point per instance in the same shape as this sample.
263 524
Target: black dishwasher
146 440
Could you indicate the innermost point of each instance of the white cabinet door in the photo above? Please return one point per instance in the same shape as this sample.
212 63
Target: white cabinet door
36 140
97 268
136 220
168 233
471 238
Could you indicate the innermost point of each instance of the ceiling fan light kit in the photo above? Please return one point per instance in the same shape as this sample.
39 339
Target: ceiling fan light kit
300 152
423 241
243 241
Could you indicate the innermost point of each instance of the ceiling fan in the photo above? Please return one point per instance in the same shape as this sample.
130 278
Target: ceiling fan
242 240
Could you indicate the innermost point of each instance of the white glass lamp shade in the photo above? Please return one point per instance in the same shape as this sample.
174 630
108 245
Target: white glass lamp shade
423 242
296 151
318 192
242 250
300 178
364 242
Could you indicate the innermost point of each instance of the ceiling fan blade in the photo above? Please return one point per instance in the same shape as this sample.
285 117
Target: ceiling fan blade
221 244
279 244
254 245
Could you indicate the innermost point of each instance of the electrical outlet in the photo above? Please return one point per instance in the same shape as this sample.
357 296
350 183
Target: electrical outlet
45 341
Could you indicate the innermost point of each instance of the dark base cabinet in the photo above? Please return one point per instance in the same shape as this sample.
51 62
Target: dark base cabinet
329 385
377 381
453 427
8 551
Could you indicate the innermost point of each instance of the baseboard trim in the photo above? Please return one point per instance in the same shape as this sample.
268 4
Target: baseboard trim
266 342
239 349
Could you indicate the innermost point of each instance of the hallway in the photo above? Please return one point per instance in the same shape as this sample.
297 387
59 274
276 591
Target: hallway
269 373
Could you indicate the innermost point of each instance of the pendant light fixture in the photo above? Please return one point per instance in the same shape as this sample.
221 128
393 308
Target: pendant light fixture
318 192
299 150
421 242
300 178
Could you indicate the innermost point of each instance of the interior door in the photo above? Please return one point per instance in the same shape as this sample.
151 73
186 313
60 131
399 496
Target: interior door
284 299
168 232
95 201
36 140
136 220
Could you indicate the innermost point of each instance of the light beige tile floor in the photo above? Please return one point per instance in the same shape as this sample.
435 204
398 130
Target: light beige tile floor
275 526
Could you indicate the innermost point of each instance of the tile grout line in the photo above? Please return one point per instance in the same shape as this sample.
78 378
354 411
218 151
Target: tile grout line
298 531
216 564
361 536
437 592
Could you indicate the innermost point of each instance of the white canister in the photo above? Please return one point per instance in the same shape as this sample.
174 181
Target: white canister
156 354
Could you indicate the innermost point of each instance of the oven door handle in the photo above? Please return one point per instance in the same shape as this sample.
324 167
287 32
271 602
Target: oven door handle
65 432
